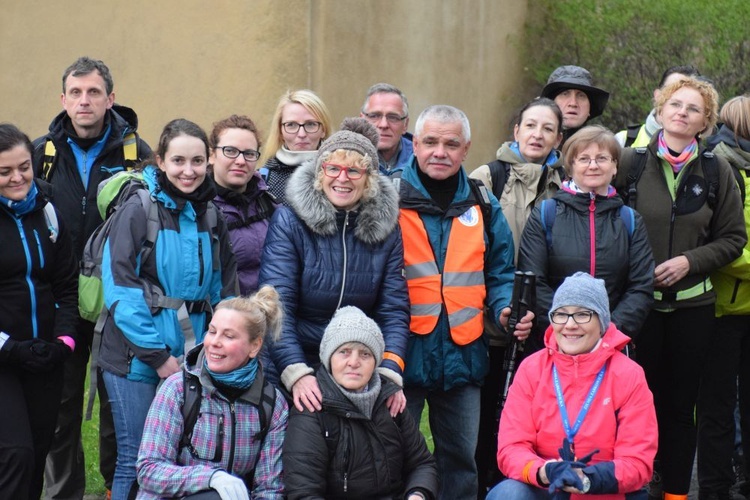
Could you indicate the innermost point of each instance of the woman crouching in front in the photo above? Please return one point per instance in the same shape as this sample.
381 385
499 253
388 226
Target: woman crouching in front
579 418
353 447
235 446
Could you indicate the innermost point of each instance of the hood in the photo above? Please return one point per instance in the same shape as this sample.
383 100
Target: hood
123 119
376 217
728 137
737 158
613 341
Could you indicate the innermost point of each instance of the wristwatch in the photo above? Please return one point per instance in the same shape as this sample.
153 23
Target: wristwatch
586 484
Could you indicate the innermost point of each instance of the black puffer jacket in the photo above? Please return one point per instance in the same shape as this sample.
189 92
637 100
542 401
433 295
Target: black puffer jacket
75 201
382 458
624 262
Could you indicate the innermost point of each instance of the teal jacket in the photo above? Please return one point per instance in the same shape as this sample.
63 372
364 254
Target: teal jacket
434 361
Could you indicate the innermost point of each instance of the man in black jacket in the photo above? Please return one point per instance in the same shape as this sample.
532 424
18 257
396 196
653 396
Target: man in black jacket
90 140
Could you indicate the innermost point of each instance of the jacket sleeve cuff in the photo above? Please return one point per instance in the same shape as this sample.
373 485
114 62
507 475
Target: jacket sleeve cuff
530 473
602 476
391 375
293 373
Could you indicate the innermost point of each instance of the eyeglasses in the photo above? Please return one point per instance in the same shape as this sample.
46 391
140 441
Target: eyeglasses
678 105
333 170
600 160
391 118
293 127
232 152
580 317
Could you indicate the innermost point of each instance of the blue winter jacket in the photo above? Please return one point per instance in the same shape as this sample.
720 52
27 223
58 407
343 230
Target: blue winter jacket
181 266
319 259
434 361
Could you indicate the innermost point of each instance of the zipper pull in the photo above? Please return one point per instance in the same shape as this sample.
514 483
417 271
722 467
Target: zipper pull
592 197
83 205
346 482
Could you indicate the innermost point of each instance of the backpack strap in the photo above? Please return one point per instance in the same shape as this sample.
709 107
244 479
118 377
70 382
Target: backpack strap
130 150
191 405
634 175
632 134
548 212
49 159
627 215
711 173
499 173
740 182
482 196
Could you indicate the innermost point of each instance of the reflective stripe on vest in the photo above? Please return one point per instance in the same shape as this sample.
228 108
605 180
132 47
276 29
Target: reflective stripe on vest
689 293
460 287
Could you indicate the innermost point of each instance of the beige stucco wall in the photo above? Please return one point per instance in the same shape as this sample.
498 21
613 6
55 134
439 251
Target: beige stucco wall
207 59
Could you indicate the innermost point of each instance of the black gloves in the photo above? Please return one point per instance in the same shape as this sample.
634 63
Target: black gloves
35 355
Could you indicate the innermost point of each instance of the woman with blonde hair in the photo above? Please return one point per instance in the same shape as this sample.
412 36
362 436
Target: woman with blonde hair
225 453
729 354
693 215
299 126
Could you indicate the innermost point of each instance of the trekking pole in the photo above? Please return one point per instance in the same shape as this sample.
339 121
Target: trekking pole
524 300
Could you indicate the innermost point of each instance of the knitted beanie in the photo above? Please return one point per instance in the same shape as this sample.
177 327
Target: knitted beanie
583 290
356 134
350 324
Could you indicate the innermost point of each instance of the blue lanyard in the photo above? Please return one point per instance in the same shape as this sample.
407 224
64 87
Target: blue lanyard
571 433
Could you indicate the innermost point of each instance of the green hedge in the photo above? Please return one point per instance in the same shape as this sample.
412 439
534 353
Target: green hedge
626 45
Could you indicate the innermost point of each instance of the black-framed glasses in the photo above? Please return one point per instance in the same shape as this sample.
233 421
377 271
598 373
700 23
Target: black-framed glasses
232 152
333 170
580 317
391 118
601 160
293 127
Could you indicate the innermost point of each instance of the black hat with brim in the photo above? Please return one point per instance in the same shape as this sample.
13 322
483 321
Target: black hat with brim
576 77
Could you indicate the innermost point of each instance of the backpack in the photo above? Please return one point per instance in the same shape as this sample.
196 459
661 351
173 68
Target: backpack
193 393
548 212
112 194
499 174
129 153
710 171
632 134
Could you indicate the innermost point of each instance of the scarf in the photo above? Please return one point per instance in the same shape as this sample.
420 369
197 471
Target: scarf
677 162
22 207
552 157
572 187
364 401
199 198
239 378
294 158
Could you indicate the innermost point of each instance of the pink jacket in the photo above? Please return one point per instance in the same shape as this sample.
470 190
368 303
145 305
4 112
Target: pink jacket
621 422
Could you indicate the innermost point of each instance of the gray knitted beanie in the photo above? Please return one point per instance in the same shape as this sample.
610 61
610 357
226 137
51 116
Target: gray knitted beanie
350 324
356 134
583 290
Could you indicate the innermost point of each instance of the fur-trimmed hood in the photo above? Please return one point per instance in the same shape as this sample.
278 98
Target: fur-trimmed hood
376 217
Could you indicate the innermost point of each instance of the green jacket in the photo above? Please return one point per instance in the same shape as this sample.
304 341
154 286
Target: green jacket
732 282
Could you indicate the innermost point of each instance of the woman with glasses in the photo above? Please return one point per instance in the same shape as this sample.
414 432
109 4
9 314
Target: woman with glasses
242 194
693 214
299 125
585 227
337 244
579 418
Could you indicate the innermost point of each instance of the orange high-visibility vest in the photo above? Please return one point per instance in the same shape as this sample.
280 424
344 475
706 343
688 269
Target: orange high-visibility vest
461 285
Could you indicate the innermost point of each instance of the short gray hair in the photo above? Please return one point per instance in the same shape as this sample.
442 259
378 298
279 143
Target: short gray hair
442 113
386 88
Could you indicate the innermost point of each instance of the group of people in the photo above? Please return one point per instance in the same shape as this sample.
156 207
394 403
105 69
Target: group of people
275 321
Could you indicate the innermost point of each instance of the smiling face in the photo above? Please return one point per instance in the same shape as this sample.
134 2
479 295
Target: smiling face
440 149
343 191
683 114
575 106
301 140
352 366
184 163
234 173
16 174
227 343
86 102
538 133
573 338
593 169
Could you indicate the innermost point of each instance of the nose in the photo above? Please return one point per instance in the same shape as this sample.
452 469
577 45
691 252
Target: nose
439 151
382 122
302 132
343 176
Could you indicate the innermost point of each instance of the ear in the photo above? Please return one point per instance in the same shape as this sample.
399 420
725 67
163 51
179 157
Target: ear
110 100
255 346
62 99
515 133
466 150
160 163
559 140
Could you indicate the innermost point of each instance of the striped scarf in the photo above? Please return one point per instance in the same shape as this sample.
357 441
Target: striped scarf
677 162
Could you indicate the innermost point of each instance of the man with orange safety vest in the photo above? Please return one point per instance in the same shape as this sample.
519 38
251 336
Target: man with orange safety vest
456 262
